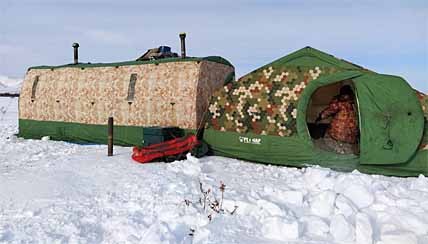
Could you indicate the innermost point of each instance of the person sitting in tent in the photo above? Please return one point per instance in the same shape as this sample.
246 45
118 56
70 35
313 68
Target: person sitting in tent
343 130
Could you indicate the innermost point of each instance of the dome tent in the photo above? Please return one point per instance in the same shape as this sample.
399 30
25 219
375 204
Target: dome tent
264 116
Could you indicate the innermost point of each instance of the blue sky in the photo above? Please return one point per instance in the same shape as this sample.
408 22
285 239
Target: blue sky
384 36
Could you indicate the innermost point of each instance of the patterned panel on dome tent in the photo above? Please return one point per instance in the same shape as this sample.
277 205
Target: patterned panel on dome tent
264 101
423 98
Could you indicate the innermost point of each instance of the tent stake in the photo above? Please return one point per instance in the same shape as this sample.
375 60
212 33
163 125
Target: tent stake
110 136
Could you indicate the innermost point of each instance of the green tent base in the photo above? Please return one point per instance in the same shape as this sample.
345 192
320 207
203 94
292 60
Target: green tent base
289 151
80 133
83 133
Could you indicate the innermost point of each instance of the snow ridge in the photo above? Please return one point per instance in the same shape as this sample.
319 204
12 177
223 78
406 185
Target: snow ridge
9 85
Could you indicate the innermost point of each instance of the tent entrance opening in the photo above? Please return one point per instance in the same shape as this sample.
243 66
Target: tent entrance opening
332 118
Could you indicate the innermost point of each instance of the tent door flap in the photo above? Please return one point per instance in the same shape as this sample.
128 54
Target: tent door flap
391 119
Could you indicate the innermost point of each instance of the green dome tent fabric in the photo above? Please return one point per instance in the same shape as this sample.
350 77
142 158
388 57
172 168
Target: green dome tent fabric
266 114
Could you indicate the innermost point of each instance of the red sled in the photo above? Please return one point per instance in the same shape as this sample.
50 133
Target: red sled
165 149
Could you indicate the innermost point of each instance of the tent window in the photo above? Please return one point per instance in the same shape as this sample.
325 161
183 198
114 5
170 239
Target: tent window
131 87
34 88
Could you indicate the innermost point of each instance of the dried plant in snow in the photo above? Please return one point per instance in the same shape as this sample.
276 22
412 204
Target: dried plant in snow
209 204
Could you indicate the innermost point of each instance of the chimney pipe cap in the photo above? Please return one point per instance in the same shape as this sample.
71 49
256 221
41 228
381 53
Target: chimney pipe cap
75 44
182 34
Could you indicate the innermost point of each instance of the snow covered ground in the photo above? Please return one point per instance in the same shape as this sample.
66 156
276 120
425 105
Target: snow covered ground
9 85
57 192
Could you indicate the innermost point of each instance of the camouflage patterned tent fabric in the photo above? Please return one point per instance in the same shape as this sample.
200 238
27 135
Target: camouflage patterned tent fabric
73 102
263 116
